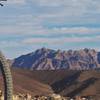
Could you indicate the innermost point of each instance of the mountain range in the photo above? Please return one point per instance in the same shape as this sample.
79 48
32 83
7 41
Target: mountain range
55 71
47 59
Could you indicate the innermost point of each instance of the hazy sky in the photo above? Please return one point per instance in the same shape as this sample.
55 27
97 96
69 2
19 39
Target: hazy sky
26 25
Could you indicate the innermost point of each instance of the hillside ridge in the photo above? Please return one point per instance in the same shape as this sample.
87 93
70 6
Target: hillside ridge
47 59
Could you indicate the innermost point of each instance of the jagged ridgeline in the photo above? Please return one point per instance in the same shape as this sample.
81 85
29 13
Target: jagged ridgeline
47 59
8 86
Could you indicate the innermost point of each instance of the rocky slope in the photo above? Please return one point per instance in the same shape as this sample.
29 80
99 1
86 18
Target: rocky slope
47 59
64 82
24 82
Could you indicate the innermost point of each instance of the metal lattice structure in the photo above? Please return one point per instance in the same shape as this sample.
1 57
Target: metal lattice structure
8 84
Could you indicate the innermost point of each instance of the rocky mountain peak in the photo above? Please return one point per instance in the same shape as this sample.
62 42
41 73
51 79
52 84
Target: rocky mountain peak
43 59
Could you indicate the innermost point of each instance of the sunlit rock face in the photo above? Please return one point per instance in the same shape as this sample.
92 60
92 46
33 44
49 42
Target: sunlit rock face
47 59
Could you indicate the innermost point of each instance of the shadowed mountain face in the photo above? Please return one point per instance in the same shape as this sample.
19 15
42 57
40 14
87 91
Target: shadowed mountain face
64 82
47 59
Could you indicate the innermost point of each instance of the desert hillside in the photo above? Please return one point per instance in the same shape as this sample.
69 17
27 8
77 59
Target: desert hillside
64 82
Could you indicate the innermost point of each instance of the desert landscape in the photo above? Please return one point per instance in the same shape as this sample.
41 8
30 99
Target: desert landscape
63 82
49 49
76 74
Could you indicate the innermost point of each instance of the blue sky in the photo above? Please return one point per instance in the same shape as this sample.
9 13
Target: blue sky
26 25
